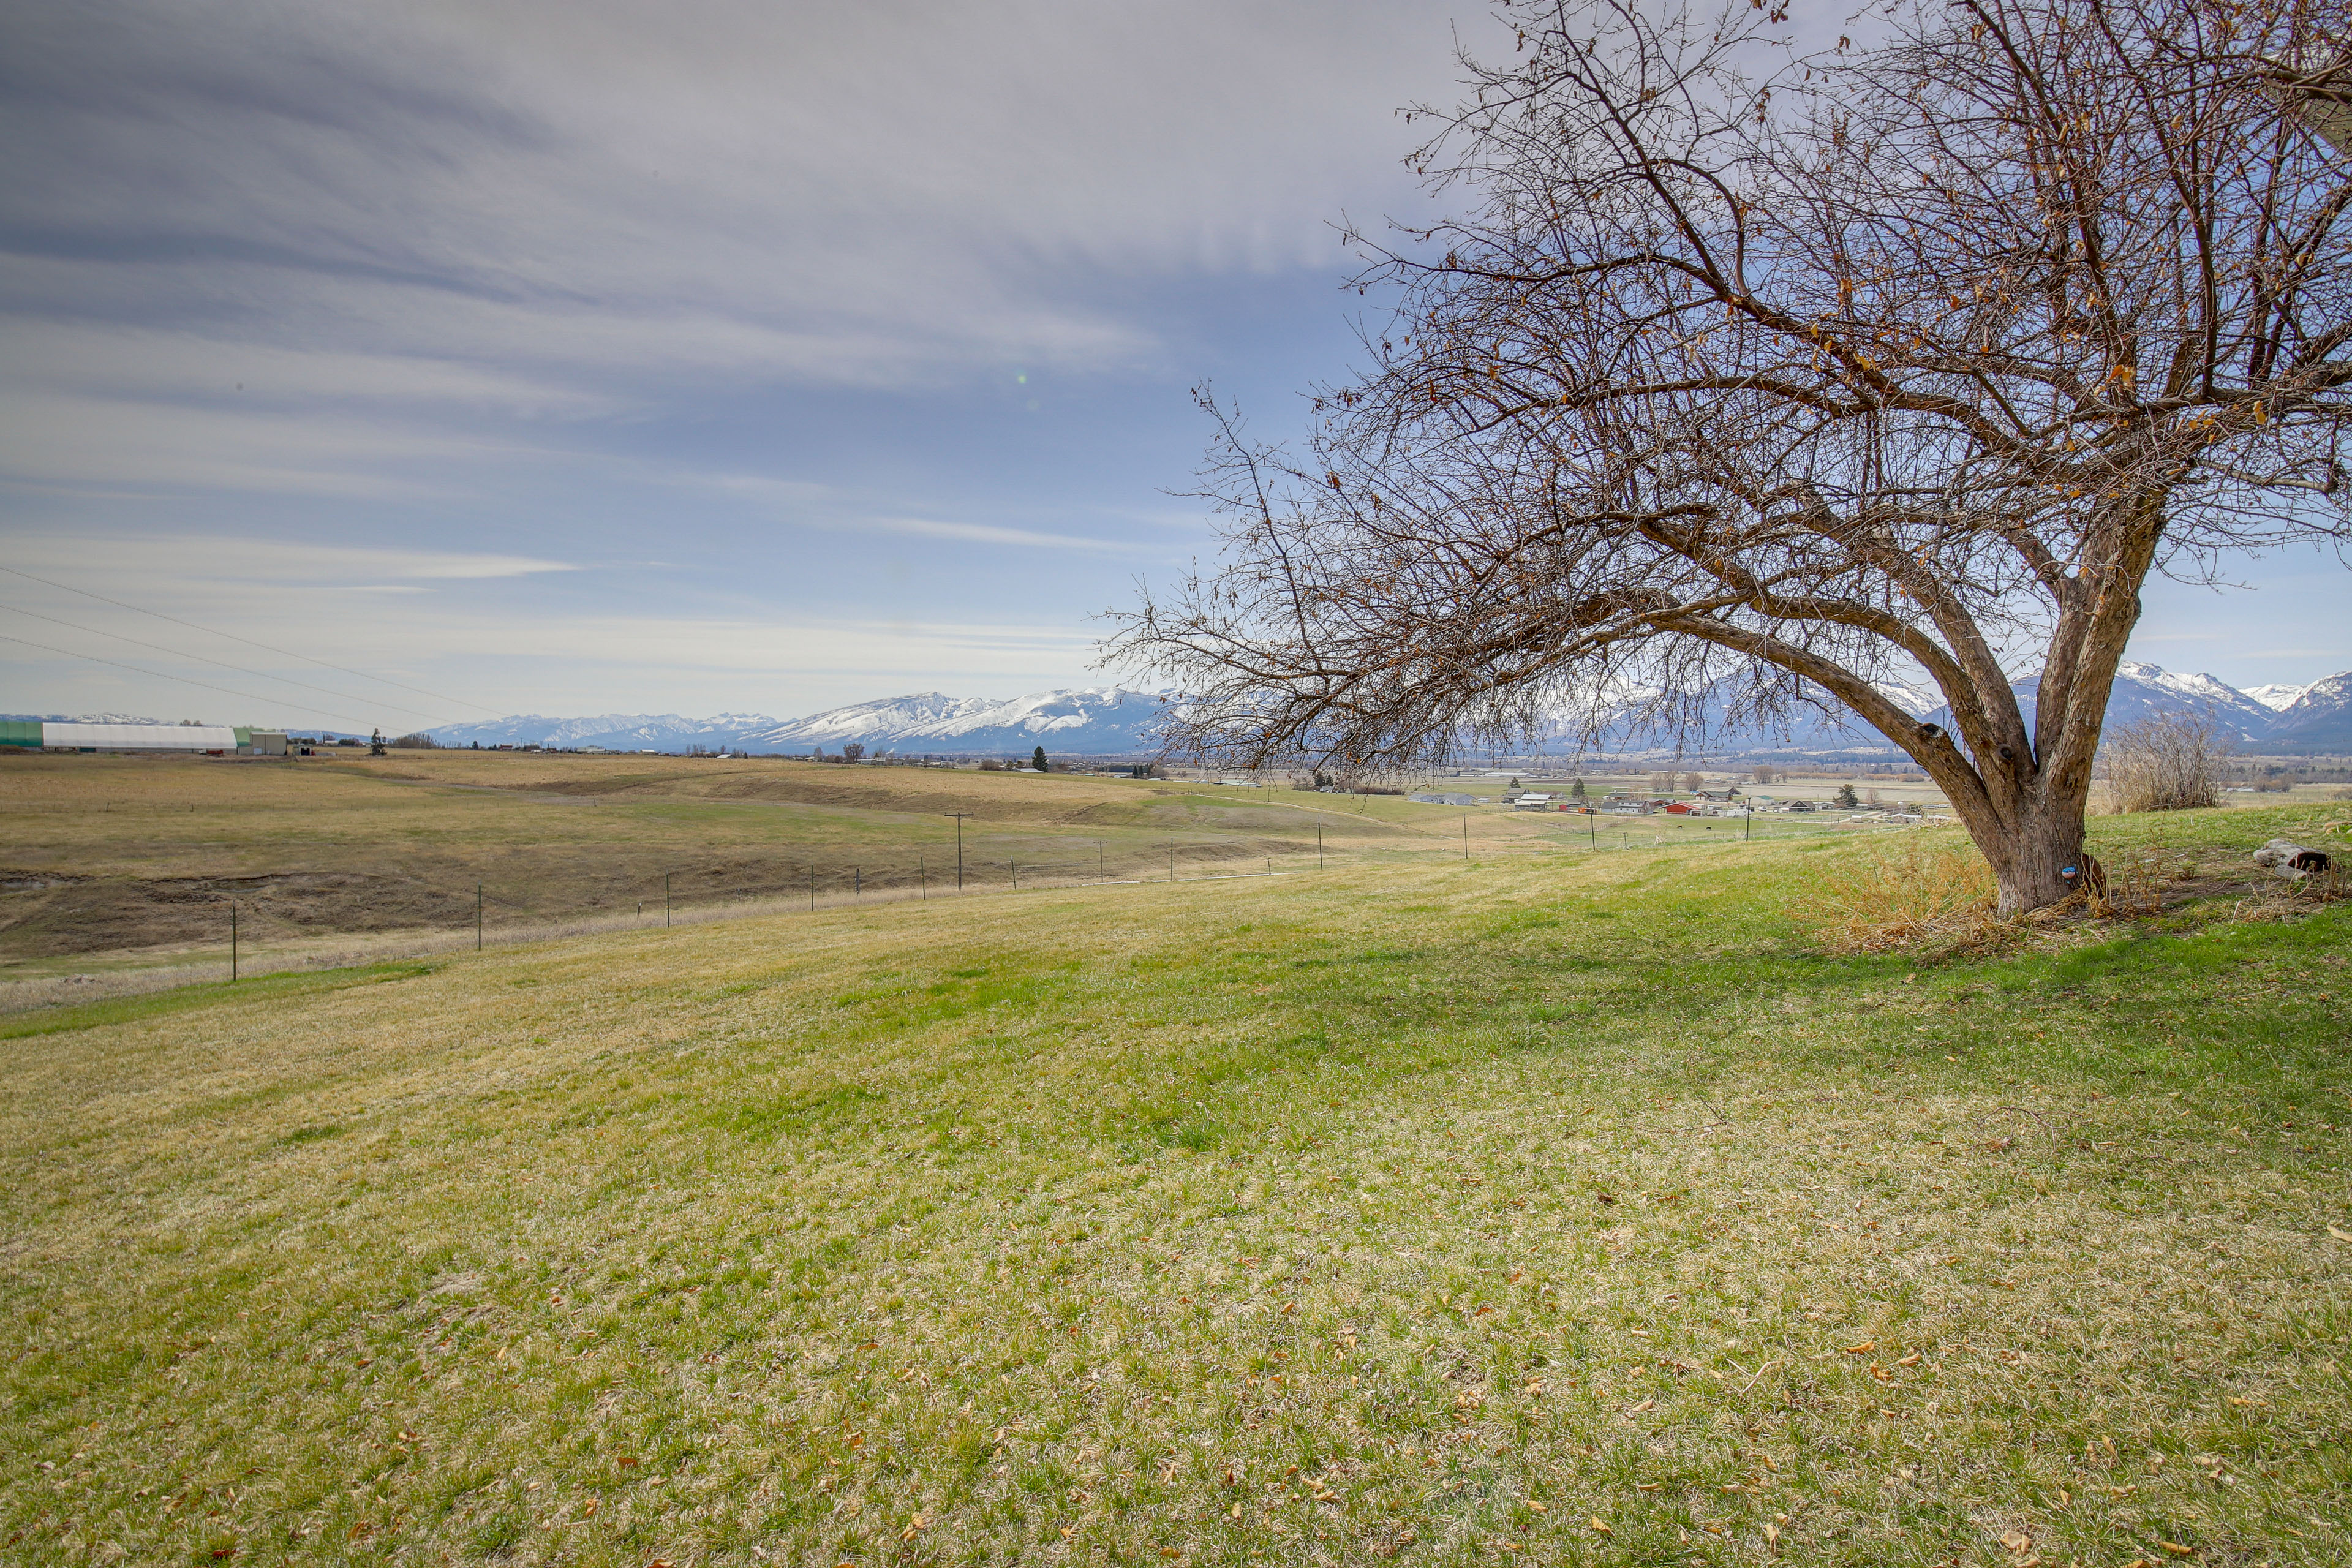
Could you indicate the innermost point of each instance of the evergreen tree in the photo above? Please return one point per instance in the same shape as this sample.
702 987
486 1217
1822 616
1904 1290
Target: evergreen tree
1576 789
1845 797
1037 759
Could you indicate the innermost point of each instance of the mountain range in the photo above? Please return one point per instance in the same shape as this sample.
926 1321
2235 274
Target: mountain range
1092 721
2281 720
1119 721
1114 721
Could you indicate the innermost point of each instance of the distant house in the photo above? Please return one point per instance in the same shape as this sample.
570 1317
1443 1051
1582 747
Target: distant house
1532 802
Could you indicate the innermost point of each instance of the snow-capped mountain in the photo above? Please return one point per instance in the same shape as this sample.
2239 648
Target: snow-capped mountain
2143 690
1094 720
2318 721
86 718
871 723
614 732
1112 722
2277 698
1916 700
1805 729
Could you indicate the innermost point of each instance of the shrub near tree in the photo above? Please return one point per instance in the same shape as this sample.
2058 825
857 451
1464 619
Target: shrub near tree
1749 386
2167 762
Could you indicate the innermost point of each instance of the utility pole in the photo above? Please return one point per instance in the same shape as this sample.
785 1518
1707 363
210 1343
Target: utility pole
1171 859
959 816
665 901
858 881
1102 865
232 941
923 876
812 889
1466 839
477 917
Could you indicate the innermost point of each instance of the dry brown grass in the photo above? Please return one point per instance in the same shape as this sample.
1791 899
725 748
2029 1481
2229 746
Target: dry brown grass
1921 891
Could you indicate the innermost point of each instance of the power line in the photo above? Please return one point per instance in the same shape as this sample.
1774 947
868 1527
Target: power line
183 680
266 647
200 658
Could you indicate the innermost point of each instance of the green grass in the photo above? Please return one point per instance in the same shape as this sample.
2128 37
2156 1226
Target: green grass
1571 1210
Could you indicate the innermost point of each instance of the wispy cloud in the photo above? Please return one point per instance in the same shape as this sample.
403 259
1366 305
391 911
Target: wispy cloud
988 533
171 564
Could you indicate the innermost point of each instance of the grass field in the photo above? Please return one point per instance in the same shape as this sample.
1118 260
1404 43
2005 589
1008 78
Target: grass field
117 864
1559 1209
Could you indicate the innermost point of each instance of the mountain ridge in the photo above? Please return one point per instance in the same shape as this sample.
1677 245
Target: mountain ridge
1115 721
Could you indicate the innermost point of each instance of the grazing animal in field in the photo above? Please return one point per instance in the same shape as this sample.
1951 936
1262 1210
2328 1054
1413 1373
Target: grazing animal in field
2285 857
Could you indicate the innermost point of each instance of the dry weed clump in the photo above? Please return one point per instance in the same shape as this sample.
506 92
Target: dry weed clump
1919 894
2167 762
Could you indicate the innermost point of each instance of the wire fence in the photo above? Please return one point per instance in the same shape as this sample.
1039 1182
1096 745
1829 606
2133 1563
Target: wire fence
252 944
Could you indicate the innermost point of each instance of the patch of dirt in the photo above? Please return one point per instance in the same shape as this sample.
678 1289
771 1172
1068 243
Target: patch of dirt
59 916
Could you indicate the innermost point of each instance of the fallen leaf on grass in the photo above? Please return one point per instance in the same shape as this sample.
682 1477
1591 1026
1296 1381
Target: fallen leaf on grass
1598 1527
2176 1548
1538 1508
1862 1348
2338 1233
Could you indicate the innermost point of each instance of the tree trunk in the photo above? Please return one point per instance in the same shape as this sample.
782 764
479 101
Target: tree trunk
2039 844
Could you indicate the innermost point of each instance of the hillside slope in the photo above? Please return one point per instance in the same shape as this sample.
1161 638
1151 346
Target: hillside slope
1572 1207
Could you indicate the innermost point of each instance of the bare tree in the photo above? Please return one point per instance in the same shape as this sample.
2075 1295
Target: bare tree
1737 391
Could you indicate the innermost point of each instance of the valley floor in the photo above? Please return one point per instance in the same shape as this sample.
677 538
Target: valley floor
1559 1210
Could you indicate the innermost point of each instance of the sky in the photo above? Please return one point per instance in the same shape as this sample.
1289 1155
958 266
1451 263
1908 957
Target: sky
586 357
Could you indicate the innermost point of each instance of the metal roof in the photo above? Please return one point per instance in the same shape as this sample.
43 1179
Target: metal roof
142 737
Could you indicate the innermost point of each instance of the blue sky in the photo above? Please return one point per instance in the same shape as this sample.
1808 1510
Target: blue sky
584 357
